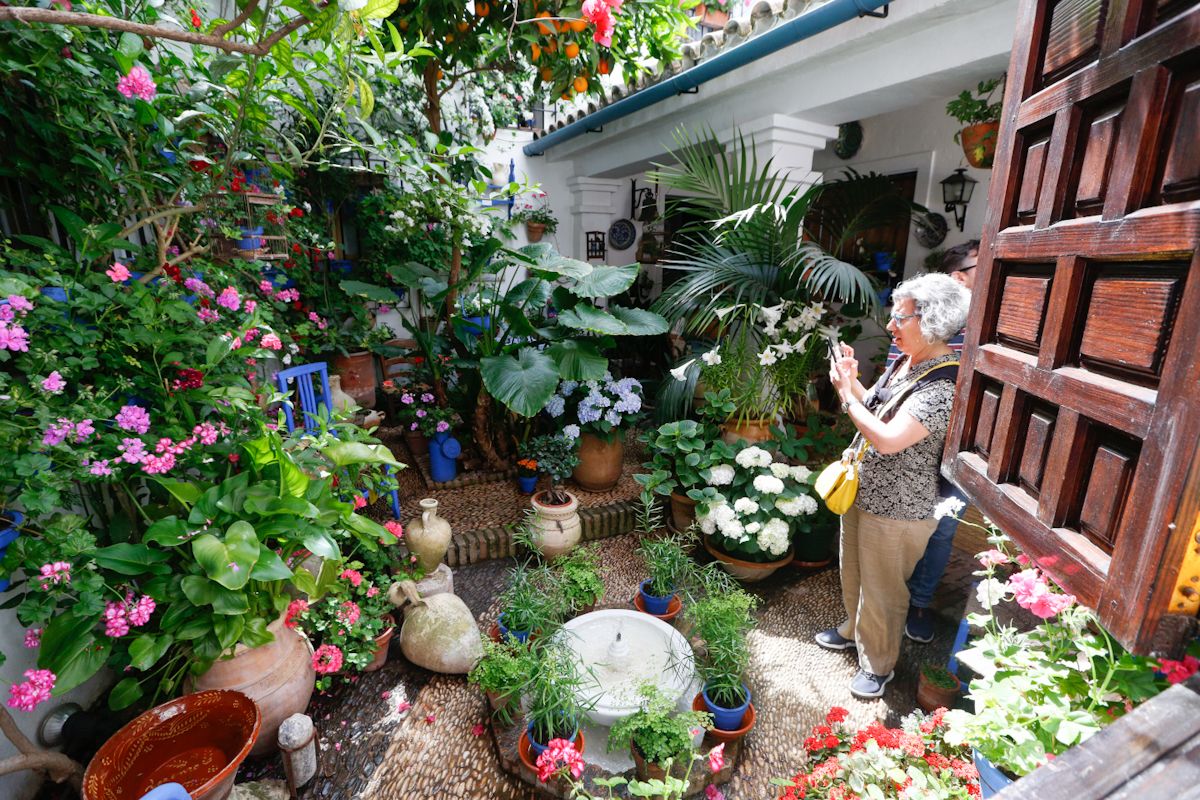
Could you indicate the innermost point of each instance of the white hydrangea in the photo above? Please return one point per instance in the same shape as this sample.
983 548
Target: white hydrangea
744 505
733 529
753 457
768 484
721 475
789 507
712 357
808 504
708 525
775 537
800 473
753 527
781 471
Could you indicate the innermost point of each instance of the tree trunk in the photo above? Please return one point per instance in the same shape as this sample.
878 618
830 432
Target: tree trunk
482 428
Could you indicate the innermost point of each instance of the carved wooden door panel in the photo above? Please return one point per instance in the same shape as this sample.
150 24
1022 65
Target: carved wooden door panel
1077 418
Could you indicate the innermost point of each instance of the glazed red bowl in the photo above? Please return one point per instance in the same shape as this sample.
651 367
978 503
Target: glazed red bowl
198 741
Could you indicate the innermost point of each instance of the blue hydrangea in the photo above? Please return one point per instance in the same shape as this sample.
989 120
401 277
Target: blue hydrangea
566 387
571 431
613 418
588 412
555 405
596 398
629 403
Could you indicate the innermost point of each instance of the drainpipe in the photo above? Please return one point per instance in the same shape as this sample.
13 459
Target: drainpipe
810 23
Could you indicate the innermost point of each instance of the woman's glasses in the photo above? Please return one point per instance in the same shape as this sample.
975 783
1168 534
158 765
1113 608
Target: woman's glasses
900 319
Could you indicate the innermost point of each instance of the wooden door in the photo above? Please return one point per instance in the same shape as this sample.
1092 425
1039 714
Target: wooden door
1077 419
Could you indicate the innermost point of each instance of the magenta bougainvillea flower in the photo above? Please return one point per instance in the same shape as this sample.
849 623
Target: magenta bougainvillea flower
137 83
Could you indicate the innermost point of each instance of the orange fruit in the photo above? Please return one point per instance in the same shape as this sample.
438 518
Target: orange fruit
463 26
571 50
449 38
535 51
603 68
403 25
481 9
547 74
578 25
580 83
545 30
441 75
552 46
566 95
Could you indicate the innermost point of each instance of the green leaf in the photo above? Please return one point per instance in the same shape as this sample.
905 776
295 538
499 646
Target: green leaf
578 360
368 290
185 492
229 630
639 322
200 591
271 506
604 281
228 562
131 559
167 532
522 383
146 650
378 9
124 694
70 650
255 633
345 454
585 317
320 543
270 567
130 45
229 602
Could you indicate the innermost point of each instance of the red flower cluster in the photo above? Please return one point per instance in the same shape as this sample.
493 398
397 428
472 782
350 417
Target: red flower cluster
173 272
196 22
188 379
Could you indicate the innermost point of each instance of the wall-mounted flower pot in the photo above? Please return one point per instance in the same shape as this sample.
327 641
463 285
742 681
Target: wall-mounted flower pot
534 231
979 143
251 238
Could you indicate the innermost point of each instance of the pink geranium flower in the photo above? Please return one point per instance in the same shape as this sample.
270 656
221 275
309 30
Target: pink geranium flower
349 612
14 338
100 468
1031 592
353 576
271 342
394 528
133 418
53 383
295 610
33 637
139 612
118 272
992 558
1179 671
133 451
327 659
716 758
116 623
229 298
20 303
207 315
559 754
359 502
34 691
55 573
137 83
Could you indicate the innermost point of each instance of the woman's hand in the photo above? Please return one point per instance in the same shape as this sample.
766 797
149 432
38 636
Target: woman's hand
844 375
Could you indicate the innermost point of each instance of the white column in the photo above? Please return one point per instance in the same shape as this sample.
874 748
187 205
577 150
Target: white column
790 141
593 209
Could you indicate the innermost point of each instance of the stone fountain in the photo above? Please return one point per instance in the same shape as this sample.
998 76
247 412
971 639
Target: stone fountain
619 650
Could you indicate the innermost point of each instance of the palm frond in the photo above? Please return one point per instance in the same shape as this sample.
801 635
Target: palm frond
826 276
715 277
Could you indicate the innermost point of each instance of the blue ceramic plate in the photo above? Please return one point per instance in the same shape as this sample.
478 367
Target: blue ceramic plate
622 234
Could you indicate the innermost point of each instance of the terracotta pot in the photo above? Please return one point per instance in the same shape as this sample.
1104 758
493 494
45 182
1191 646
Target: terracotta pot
643 769
930 698
381 646
417 443
357 371
500 703
556 529
750 431
278 676
979 143
724 737
525 750
683 511
599 462
428 538
534 231
673 608
747 571
198 741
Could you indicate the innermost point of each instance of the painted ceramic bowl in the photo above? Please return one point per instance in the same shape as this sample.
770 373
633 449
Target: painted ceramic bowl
198 741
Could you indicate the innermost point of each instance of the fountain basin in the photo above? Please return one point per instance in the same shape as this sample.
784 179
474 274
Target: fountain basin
621 649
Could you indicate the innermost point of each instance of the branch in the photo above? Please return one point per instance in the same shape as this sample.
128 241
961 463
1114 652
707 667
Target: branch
27 15
170 211
225 28
31 756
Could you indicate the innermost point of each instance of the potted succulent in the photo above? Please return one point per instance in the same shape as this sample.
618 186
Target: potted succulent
722 621
501 673
981 118
747 512
555 527
682 455
937 687
657 735
670 568
600 411
531 602
535 213
578 579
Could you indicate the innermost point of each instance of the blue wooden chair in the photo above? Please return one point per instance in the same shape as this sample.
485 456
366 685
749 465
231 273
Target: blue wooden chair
312 386
168 791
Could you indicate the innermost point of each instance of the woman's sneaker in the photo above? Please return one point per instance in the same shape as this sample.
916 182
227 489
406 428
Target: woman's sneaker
832 640
867 685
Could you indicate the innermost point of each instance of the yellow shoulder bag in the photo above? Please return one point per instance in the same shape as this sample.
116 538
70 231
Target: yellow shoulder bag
837 484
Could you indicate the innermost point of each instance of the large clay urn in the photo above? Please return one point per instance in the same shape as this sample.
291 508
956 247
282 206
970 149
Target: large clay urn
337 396
683 511
556 527
599 462
428 538
278 676
750 431
357 371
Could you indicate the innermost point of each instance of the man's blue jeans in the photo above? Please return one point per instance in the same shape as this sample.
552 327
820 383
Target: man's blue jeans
928 572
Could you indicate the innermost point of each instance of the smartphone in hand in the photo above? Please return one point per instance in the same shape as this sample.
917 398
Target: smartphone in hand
835 349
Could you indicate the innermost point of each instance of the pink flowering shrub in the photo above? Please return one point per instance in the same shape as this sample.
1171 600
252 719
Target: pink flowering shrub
347 619
137 83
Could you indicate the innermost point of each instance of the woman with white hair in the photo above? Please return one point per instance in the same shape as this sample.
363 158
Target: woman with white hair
902 422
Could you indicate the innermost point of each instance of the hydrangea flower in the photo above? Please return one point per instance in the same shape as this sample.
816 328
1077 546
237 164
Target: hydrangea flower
555 405
752 456
744 505
781 471
721 475
768 484
775 536
571 431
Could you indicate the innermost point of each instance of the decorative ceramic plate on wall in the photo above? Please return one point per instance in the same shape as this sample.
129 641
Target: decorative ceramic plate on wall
622 234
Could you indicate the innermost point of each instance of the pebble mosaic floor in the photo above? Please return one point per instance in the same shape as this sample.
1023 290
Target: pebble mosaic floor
404 733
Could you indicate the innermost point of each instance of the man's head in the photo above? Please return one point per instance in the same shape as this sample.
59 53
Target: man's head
960 261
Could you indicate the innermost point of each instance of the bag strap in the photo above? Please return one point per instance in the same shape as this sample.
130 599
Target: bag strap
895 399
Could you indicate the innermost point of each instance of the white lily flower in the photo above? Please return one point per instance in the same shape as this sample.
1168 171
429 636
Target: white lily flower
680 372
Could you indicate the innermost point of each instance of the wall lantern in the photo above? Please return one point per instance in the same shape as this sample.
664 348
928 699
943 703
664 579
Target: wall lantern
643 205
956 193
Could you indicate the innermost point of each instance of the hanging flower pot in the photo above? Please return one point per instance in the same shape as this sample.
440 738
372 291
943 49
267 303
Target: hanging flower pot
251 238
534 231
599 461
979 143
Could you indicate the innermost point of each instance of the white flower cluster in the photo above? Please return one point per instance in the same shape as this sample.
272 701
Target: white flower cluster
796 506
752 456
775 537
768 484
720 475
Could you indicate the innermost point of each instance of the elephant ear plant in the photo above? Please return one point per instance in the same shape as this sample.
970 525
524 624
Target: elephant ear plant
198 582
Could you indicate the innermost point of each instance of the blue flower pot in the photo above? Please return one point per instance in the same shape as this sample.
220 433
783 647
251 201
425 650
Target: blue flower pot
250 238
537 747
727 719
55 293
342 265
278 278
506 633
477 325
444 451
652 602
527 485
9 535
991 779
